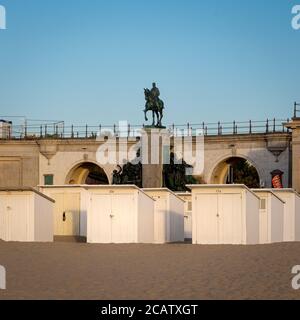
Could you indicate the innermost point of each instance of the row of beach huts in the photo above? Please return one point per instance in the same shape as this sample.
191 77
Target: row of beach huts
209 214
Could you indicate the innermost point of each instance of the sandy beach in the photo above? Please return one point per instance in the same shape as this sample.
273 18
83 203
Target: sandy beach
68 270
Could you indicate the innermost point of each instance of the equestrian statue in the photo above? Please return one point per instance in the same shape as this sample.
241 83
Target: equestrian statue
154 104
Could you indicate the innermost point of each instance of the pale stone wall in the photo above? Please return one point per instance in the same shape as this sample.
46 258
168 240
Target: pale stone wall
24 163
296 158
295 126
252 148
19 163
65 156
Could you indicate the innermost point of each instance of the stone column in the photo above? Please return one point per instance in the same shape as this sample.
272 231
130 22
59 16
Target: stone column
295 127
154 143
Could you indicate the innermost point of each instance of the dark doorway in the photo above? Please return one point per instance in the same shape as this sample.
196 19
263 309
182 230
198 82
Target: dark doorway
241 171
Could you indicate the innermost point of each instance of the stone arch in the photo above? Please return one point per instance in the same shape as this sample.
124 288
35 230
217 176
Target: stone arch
87 172
219 172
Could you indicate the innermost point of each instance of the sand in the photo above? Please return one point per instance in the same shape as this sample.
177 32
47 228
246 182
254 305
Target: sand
67 270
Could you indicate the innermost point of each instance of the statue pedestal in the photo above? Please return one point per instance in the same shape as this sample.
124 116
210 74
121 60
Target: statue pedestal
152 176
155 146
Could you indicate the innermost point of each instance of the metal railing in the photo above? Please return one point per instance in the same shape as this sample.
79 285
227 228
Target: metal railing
236 128
61 131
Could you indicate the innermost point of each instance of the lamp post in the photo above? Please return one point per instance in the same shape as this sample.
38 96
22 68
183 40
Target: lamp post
295 109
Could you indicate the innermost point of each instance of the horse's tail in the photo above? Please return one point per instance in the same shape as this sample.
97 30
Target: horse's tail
162 105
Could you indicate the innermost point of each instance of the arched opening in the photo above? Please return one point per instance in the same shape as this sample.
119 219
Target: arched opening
87 173
236 170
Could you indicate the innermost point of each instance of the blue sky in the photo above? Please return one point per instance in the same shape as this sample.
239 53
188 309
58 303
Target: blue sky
87 61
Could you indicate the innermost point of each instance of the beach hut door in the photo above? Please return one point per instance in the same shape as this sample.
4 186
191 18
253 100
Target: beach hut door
112 218
230 218
17 210
288 229
122 218
188 220
3 218
207 218
71 215
161 230
101 218
219 219
66 214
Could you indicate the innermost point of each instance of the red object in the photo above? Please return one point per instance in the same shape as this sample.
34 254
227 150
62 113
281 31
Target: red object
277 182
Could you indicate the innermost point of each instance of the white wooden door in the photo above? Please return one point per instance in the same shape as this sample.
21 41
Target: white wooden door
58 213
3 218
219 219
71 215
230 218
101 216
263 221
187 225
66 214
188 220
206 219
18 211
289 216
160 220
122 220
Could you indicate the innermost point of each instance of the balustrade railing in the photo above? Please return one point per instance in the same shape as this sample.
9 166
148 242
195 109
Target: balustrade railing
61 131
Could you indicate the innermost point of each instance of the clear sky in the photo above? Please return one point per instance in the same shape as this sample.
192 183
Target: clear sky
87 61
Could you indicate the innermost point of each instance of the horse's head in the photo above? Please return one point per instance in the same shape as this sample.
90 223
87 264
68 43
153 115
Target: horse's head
147 93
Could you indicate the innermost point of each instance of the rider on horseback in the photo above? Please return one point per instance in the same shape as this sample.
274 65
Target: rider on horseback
154 104
155 93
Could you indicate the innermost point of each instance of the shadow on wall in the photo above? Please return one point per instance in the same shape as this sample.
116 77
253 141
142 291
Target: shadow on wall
236 170
87 173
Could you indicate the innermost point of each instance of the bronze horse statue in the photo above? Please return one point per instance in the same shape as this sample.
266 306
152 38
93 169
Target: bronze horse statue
155 105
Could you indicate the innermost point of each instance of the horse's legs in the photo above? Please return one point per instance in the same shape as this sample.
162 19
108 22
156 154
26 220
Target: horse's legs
157 116
153 115
145 111
160 118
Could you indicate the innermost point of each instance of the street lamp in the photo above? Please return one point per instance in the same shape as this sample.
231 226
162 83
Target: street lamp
295 109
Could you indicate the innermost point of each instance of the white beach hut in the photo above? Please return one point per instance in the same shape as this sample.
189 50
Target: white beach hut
26 215
187 198
168 215
225 214
291 224
70 209
271 214
120 214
